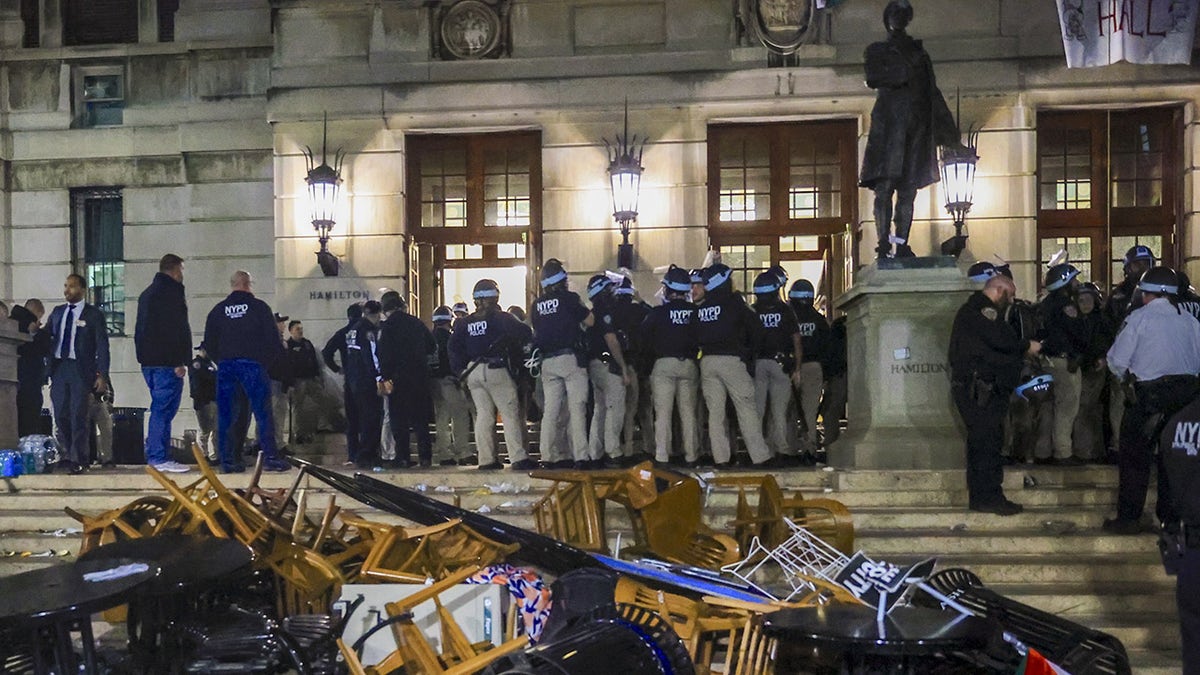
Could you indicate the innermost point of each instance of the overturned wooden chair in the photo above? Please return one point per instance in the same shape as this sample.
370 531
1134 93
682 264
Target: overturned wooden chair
415 654
762 506
413 555
134 520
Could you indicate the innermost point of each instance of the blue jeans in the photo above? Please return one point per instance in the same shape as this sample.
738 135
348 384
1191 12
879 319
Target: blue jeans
166 388
251 378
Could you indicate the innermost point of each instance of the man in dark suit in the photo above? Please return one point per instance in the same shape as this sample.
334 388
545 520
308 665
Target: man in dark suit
79 366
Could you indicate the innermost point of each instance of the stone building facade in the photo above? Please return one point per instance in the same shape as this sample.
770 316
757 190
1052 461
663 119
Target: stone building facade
457 167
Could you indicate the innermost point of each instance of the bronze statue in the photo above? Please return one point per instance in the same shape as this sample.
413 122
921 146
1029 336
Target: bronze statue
908 123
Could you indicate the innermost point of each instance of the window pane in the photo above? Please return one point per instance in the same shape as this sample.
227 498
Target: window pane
98 228
745 179
1065 169
1078 253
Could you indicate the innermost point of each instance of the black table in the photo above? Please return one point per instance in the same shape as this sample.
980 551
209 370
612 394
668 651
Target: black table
187 561
191 565
48 604
903 641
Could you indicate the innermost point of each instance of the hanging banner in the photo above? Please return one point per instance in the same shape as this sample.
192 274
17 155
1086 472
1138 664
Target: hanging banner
1104 32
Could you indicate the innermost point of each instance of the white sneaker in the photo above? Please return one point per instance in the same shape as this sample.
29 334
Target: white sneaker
171 467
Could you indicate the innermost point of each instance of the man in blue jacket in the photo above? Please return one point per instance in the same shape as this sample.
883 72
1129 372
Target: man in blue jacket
79 366
163 340
242 339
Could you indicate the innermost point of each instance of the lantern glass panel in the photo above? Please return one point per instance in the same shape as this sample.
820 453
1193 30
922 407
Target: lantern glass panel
625 186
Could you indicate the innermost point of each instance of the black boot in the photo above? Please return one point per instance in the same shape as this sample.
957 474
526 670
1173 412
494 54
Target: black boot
904 251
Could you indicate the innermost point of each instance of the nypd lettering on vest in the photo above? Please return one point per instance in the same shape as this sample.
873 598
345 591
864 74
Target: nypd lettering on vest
236 311
547 307
808 329
681 317
771 320
477 328
1186 437
709 314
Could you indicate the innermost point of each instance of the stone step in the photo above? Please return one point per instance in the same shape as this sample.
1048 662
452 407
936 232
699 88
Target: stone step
1050 497
1140 564
1092 475
958 518
1140 630
884 543
1155 661
1083 599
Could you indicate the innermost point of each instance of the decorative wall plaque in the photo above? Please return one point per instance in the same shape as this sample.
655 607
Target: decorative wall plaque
471 29
782 26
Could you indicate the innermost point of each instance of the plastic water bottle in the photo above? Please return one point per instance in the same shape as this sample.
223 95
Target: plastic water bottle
10 464
487 619
39 459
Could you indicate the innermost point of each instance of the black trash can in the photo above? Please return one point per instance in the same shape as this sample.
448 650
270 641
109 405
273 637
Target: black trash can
129 441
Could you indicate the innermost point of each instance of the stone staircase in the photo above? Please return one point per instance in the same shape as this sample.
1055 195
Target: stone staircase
1053 556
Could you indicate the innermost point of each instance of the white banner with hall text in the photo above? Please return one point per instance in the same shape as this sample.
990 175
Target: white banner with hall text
1103 32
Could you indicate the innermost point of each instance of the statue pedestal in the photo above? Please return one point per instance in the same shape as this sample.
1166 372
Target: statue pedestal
901 414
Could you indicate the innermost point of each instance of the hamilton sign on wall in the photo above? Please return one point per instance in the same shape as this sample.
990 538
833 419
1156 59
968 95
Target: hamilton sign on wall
1103 32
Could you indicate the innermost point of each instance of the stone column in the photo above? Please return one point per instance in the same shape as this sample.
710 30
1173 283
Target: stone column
10 339
900 412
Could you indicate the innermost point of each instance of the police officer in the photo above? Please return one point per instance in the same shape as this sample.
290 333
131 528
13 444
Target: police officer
1157 355
242 338
1138 259
1064 340
1089 424
559 318
483 347
361 370
727 334
452 415
775 362
981 271
1180 448
1189 301
405 349
985 363
628 314
669 338
336 346
608 374
814 342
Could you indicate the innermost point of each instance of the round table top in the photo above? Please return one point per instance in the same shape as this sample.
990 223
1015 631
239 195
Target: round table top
185 560
62 591
906 630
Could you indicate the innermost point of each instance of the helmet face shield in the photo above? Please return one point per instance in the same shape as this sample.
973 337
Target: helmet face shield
1036 389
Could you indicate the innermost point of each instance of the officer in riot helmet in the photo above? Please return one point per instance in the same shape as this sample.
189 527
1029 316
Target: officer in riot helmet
775 370
697 280
728 330
1064 340
1093 373
1156 355
1138 260
484 348
628 313
981 272
810 373
669 348
779 273
985 366
1180 540
559 319
608 373
452 413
